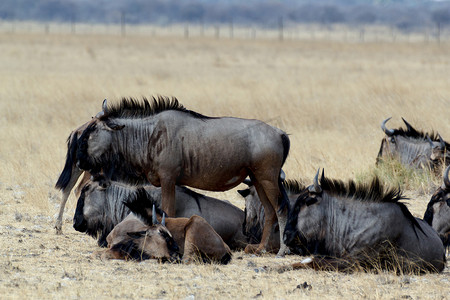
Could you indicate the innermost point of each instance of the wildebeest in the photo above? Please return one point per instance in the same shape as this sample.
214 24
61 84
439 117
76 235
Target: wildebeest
437 213
254 212
195 238
134 240
100 208
363 225
411 147
175 146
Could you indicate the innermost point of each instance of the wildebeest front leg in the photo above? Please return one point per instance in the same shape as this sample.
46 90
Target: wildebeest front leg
66 193
168 196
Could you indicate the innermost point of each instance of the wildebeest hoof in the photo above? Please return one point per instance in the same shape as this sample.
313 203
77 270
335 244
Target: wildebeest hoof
254 249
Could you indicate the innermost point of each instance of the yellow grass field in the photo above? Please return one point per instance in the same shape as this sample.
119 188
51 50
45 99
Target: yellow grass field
330 96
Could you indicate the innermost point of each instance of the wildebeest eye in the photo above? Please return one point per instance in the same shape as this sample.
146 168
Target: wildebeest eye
311 201
392 140
448 202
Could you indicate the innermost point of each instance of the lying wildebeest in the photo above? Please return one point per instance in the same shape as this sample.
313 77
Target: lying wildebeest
438 210
116 170
132 239
195 238
254 212
411 147
350 226
100 208
175 146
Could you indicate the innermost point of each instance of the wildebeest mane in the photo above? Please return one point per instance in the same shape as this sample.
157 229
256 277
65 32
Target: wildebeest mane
372 192
132 108
141 204
293 186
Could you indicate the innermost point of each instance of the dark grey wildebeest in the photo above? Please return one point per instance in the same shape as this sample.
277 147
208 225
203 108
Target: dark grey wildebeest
100 208
438 210
175 146
411 147
254 212
351 226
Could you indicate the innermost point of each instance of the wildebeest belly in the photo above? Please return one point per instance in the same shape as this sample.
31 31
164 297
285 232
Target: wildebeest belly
216 180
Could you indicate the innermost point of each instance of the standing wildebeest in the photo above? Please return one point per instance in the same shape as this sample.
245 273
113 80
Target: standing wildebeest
175 146
100 208
254 212
350 225
411 147
438 210
194 236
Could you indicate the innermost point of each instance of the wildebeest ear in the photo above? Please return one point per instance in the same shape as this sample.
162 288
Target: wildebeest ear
136 234
114 126
244 193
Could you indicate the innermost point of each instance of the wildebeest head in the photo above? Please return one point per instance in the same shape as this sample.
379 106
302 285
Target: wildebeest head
439 151
90 214
155 243
304 219
409 146
438 210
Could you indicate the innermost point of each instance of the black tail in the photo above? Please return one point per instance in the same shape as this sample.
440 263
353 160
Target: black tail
283 199
141 204
286 145
66 174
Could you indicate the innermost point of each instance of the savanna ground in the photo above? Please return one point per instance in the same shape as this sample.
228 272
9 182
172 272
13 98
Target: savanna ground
330 96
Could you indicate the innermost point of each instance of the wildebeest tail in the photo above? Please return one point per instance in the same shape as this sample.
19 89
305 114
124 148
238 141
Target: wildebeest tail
141 204
286 145
66 174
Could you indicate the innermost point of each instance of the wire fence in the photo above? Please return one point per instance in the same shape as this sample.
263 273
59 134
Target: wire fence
230 31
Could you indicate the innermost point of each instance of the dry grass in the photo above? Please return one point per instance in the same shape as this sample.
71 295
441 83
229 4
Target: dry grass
329 96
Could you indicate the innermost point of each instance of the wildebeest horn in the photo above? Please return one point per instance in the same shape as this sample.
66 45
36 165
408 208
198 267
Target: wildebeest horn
282 175
388 132
163 221
408 126
441 141
104 110
154 220
446 180
315 188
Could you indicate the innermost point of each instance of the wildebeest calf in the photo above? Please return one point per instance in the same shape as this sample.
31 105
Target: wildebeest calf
365 226
195 238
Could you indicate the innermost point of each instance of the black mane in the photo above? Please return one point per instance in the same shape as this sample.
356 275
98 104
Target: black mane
415 134
132 108
140 203
373 192
293 186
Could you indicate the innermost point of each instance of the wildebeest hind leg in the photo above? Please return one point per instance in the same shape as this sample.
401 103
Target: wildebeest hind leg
168 197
